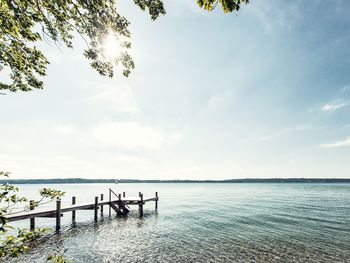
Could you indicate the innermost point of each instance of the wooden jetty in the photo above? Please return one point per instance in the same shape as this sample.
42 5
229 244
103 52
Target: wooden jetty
120 205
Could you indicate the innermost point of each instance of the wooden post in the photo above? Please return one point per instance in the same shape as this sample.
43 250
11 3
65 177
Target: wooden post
139 194
32 220
58 214
120 203
73 212
96 208
110 201
123 194
141 204
101 205
156 200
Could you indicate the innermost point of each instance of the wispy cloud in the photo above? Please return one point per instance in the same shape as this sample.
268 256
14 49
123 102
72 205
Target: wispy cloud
273 16
122 135
333 106
119 98
280 132
66 129
179 7
342 143
175 136
221 100
128 135
291 158
345 88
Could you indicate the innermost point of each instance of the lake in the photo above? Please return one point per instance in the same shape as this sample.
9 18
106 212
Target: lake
205 222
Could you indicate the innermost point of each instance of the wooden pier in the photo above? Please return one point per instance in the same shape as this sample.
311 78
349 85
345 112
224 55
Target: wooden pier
120 205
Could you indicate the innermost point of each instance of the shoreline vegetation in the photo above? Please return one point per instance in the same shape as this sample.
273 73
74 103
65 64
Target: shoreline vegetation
104 181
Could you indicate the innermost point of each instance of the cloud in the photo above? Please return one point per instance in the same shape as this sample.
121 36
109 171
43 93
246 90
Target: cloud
128 135
342 143
131 159
179 7
261 138
175 136
345 88
291 158
120 98
273 16
123 135
280 132
221 100
66 129
329 107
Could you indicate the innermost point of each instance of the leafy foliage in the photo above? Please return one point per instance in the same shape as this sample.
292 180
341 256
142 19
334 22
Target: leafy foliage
5 174
56 259
227 5
16 245
8 198
51 193
25 22
11 245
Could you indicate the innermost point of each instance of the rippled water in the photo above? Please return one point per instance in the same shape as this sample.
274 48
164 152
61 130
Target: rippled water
208 223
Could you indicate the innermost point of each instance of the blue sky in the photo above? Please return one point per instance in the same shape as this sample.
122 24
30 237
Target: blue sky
264 93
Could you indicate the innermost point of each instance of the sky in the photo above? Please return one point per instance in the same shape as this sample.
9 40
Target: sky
259 94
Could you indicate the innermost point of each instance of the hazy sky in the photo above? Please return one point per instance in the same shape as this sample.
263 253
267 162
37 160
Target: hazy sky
265 93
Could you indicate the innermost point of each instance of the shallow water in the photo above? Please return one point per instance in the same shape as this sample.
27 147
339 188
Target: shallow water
251 222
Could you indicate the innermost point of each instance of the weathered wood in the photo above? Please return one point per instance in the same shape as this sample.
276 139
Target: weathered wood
156 202
58 215
101 205
32 220
141 204
114 207
51 212
90 207
110 200
49 216
96 208
73 212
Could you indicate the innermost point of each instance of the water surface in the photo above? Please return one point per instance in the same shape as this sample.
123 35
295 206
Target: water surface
247 222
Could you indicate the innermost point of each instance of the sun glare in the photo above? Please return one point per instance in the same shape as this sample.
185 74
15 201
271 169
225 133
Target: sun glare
111 47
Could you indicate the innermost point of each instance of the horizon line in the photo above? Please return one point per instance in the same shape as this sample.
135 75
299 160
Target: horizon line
111 180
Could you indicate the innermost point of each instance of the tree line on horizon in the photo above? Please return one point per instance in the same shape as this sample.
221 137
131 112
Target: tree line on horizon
112 181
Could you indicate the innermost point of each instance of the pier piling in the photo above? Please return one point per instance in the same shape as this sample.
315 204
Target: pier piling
110 200
141 204
58 214
32 220
156 202
96 208
73 212
101 205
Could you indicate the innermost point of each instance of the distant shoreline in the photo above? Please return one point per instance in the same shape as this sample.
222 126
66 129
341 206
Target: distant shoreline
106 181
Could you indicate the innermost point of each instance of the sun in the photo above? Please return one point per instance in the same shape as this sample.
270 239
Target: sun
111 47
